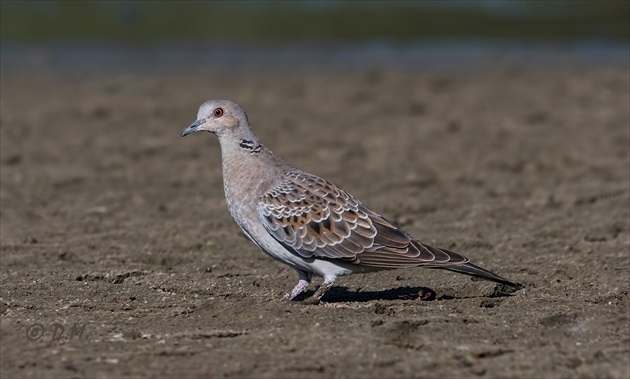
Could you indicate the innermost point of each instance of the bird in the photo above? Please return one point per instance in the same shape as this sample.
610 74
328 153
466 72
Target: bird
306 222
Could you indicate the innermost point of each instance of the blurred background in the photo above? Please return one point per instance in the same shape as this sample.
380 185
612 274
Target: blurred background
499 129
309 33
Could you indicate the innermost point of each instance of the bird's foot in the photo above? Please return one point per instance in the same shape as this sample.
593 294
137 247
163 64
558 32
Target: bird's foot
298 289
311 300
316 297
425 294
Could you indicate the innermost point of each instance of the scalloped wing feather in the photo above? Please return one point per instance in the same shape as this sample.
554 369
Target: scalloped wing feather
313 217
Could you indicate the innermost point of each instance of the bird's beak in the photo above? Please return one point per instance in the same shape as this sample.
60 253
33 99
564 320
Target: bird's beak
193 127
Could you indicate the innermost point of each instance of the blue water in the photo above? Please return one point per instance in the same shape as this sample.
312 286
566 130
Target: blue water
423 56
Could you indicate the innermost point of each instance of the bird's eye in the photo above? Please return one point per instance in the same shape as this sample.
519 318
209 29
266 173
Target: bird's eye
218 112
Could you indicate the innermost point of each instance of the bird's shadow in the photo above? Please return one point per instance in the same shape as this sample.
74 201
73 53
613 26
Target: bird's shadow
344 295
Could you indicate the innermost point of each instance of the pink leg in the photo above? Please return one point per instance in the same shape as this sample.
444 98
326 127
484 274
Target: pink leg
298 289
314 299
303 283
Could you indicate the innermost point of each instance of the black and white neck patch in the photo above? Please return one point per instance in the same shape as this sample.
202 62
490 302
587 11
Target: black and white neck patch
250 146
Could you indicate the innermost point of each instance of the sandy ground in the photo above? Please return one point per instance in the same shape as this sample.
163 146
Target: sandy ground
114 230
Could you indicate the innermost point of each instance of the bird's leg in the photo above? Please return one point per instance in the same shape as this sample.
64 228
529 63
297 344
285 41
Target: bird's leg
314 299
305 280
298 289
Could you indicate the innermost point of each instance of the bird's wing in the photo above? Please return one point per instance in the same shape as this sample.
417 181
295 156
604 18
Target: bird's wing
312 217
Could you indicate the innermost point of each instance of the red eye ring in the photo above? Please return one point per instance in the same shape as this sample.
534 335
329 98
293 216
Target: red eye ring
218 112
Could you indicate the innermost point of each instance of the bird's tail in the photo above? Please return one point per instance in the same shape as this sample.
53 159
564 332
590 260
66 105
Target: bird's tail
476 271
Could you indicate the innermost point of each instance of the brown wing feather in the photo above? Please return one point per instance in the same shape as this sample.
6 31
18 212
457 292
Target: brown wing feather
313 217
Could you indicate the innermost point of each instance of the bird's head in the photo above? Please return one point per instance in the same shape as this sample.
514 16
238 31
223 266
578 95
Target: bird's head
221 117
